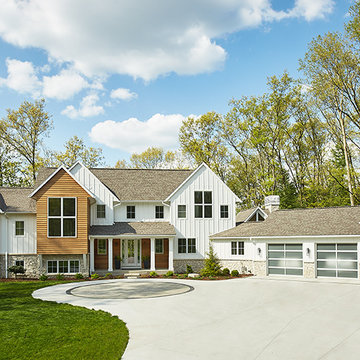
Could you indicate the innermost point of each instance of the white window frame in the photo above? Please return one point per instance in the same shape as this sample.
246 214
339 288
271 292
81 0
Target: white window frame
162 212
239 248
57 267
157 242
23 228
187 246
203 204
227 211
177 213
97 211
131 218
62 217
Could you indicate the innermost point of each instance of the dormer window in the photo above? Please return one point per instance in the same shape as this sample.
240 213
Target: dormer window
203 204
257 217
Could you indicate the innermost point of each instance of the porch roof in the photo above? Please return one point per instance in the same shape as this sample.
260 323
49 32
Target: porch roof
146 228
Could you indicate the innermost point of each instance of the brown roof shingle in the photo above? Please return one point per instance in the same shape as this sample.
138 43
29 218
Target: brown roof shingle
134 228
16 200
301 222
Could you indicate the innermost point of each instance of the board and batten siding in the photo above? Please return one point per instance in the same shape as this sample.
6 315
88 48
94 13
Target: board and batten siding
222 249
144 211
62 185
103 195
22 244
201 229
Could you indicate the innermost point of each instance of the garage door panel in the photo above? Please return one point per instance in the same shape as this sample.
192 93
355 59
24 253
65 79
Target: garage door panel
285 259
337 260
347 274
294 271
293 255
327 255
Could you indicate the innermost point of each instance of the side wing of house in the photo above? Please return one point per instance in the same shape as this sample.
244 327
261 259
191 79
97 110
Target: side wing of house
62 207
201 206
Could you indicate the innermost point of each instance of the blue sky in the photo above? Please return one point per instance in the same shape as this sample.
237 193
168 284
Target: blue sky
122 75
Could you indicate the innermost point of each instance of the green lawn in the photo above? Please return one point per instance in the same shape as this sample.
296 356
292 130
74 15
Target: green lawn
35 329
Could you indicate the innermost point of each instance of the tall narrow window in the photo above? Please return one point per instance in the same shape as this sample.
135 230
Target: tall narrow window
100 211
130 212
181 211
19 228
101 246
224 211
203 204
159 212
182 246
61 217
159 246
191 246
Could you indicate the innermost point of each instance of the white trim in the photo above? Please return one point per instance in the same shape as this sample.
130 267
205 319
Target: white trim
282 237
193 174
264 215
53 174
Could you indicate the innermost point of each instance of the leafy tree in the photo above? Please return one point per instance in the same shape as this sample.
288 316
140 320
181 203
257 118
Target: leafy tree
24 129
200 139
75 149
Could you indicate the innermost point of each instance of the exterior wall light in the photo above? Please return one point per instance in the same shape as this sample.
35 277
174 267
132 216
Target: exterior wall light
308 251
259 251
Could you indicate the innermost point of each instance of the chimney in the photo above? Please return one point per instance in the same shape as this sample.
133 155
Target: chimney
272 203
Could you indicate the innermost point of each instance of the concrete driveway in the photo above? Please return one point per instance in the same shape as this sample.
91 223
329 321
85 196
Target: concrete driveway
249 318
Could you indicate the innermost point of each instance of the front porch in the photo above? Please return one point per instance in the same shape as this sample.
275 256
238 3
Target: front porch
121 255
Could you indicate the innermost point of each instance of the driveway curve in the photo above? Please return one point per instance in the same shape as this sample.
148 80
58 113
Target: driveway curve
250 318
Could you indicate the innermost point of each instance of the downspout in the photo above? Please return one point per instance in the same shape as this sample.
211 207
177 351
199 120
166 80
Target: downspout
6 246
253 258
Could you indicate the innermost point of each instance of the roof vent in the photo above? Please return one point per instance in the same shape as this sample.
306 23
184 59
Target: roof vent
272 203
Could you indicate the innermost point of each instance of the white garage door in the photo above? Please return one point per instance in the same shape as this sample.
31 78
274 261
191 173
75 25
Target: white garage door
337 260
285 259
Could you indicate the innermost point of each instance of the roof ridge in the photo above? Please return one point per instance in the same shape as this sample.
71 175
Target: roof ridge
17 187
320 208
109 168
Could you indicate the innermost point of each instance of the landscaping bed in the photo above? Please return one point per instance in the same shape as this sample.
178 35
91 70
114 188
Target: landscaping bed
35 329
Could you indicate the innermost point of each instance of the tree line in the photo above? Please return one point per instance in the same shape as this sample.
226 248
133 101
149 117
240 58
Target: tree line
299 140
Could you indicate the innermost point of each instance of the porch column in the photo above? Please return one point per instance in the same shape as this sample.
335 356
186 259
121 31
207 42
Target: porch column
110 254
171 254
92 262
152 254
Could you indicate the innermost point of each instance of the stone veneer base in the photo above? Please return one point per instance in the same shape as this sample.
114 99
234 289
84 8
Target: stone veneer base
180 265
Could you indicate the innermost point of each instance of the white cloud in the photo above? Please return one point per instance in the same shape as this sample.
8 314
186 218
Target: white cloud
64 85
123 94
87 108
144 41
133 135
21 77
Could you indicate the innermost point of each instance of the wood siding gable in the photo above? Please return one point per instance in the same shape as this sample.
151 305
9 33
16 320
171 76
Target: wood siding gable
62 185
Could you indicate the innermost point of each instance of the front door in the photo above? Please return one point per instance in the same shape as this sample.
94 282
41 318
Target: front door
131 257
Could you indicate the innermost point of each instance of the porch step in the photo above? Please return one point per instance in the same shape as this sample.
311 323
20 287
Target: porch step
131 275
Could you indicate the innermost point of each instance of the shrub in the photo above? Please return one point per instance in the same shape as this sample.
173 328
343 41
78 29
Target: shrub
169 274
153 274
226 272
79 276
94 276
189 269
43 277
181 276
16 269
108 276
60 277
234 273
212 264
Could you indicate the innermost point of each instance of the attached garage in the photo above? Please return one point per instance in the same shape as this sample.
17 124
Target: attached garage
285 259
337 260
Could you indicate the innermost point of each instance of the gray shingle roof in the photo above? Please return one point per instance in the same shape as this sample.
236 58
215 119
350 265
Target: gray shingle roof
241 216
301 222
134 228
133 184
141 184
16 200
